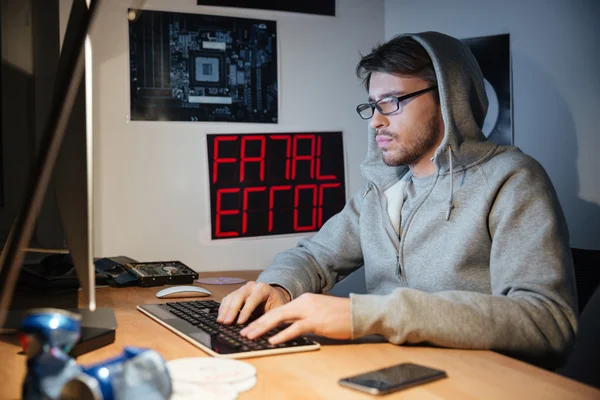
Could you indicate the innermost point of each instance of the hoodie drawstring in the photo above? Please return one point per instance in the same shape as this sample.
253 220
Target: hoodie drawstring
451 197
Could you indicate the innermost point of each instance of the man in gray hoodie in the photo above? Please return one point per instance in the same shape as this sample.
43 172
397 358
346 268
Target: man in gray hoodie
463 241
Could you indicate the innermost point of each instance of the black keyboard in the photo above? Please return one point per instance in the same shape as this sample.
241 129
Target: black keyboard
196 321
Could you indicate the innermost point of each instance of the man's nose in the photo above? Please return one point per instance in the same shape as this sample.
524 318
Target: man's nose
378 120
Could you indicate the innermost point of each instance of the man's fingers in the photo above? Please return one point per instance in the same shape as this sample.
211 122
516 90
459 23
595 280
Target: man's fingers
258 295
234 301
224 307
296 329
234 308
270 320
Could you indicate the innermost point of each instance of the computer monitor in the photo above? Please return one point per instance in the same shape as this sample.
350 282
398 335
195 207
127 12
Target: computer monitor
64 157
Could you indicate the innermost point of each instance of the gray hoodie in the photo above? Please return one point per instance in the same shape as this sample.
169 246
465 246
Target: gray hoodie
483 261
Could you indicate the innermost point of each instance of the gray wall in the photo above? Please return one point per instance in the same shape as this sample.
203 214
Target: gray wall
555 46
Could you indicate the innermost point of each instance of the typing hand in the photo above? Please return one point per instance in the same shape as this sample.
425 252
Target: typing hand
250 296
310 313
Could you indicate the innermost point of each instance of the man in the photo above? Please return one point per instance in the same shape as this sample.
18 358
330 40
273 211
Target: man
464 243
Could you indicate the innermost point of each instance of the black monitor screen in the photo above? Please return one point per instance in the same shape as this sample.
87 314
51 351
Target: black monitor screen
1 173
1 150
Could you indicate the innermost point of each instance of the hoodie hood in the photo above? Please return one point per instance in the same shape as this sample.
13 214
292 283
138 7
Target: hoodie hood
464 106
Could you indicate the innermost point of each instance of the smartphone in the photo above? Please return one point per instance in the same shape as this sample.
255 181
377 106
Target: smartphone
392 378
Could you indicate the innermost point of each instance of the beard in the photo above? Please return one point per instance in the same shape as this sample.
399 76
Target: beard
420 140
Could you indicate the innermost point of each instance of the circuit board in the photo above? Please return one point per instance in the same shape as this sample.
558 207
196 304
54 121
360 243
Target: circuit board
196 67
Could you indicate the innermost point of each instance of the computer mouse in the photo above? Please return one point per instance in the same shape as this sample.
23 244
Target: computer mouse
183 291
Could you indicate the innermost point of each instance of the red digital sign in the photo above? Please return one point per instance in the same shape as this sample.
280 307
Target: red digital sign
271 184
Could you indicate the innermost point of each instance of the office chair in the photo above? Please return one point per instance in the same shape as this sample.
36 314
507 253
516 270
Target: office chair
353 283
587 274
583 364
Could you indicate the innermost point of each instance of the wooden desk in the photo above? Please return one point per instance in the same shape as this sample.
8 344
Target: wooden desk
314 375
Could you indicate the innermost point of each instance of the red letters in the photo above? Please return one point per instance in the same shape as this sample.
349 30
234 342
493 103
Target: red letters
288 152
322 188
245 209
216 159
300 198
313 219
319 176
309 157
220 212
272 201
261 159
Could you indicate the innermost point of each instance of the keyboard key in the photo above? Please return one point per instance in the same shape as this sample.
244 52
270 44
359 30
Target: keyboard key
203 315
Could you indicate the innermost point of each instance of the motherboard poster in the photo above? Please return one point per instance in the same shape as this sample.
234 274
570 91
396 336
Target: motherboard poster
195 67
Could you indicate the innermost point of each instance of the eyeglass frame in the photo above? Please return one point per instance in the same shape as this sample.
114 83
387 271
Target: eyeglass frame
399 99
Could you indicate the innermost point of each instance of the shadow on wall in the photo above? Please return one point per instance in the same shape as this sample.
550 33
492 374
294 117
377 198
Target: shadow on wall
553 142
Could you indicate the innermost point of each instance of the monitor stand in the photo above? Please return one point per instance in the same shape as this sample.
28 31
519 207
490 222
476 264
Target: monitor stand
98 328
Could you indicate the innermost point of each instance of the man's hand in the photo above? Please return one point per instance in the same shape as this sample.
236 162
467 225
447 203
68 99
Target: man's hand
310 313
251 295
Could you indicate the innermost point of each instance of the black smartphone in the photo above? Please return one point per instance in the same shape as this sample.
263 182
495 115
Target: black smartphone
392 378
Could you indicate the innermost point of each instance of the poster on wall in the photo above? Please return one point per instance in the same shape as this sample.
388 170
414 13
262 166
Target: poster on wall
320 7
273 184
195 67
493 55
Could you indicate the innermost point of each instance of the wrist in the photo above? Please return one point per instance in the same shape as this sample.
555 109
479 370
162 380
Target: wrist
285 293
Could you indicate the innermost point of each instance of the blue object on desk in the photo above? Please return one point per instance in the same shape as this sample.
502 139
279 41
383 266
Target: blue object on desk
47 336
134 374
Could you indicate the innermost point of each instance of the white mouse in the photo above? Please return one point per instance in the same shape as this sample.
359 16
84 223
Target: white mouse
190 290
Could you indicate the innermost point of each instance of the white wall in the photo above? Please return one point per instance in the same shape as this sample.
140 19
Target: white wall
555 47
151 189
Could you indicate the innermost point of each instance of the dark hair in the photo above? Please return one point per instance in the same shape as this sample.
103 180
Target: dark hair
402 55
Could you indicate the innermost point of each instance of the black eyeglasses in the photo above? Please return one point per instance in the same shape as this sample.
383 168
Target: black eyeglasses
387 105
